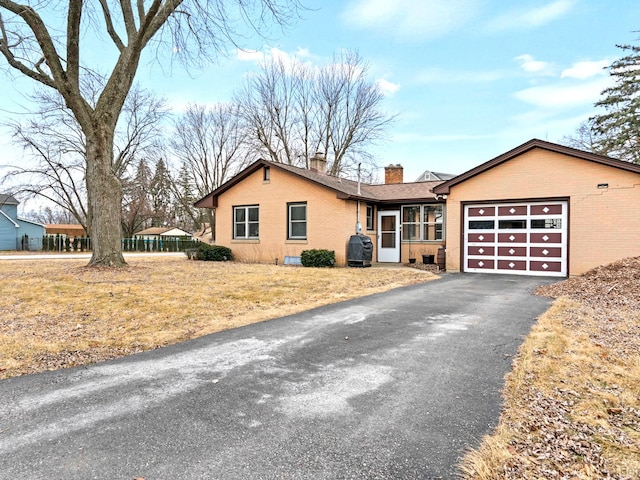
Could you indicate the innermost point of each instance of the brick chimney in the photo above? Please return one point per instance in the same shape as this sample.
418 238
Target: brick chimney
318 163
393 174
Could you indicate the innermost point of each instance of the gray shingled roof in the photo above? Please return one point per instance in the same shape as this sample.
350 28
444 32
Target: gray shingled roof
6 199
344 188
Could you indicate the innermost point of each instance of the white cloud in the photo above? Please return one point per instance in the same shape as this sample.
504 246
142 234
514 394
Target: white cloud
586 69
249 55
260 56
563 96
531 65
526 18
388 88
410 20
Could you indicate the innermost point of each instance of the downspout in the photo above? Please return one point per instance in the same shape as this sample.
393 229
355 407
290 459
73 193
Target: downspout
358 224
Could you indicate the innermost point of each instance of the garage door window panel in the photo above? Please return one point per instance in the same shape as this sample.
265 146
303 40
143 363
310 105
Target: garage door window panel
482 224
547 223
510 224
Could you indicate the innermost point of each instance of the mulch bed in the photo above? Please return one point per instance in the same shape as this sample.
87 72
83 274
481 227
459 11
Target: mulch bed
616 285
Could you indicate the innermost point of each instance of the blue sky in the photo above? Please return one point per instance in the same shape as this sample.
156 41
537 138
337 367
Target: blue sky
468 79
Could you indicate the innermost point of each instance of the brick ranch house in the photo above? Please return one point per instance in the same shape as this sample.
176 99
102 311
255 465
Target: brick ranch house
539 209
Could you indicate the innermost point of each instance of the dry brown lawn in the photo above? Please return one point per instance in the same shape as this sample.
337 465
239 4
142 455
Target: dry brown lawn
572 401
58 313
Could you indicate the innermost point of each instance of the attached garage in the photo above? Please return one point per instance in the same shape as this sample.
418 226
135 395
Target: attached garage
542 209
525 238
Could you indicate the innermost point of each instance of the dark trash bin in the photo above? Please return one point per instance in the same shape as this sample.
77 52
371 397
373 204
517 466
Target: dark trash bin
428 259
360 251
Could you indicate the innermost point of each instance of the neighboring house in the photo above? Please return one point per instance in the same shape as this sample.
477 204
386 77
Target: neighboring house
17 233
155 233
542 209
428 176
70 230
539 209
270 211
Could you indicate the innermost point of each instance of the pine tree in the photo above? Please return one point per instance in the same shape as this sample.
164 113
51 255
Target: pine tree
187 216
619 127
135 204
160 196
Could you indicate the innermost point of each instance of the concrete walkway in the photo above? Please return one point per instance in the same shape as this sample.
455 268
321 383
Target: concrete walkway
391 386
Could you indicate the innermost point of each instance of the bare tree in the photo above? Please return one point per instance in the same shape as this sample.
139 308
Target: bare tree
56 144
32 44
55 171
49 215
588 139
210 142
268 103
296 110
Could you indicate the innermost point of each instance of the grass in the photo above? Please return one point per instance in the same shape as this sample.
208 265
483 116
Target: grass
58 313
571 403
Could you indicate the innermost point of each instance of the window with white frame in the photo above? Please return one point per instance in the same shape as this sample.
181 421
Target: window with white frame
297 220
369 217
422 223
246 222
432 224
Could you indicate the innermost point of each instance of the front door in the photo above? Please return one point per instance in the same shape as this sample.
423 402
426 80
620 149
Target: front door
389 236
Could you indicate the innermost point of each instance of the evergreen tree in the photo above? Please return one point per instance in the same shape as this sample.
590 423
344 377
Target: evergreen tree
160 196
186 215
136 205
619 128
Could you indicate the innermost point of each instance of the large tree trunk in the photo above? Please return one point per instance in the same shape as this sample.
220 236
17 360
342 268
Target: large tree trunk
105 200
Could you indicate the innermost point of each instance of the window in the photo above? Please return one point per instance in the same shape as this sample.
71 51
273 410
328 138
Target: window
411 222
297 221
246 222
432 222
481 224
423 223
546 223
512 223
266 174
369 217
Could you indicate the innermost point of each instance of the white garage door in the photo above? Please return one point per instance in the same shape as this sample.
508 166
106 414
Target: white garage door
528 238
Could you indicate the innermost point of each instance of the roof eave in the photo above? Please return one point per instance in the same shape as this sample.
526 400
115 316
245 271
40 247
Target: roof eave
211 200
445 188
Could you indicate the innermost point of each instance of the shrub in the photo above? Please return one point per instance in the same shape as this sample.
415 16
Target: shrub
214 253
318 258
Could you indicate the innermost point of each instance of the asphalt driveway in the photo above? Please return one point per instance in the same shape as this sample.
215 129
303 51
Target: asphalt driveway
390 386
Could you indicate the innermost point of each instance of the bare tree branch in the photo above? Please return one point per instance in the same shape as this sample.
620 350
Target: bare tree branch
202 29
109 26
295 111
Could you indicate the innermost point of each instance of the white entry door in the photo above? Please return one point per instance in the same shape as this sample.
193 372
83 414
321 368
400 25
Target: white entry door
389 236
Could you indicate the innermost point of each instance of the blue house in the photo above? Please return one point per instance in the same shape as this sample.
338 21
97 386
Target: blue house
17 233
